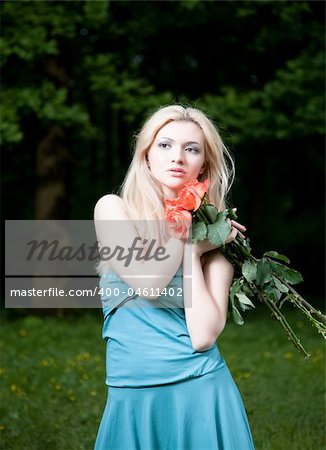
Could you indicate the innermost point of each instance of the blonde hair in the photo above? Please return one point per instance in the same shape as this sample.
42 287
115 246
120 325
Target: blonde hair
142 195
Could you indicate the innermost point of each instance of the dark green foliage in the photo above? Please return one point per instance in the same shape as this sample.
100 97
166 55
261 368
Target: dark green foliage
96 69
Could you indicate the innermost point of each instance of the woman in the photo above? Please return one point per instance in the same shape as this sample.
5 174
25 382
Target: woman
169 387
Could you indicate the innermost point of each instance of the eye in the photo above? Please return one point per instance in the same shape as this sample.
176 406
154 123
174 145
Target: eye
192 149
164 145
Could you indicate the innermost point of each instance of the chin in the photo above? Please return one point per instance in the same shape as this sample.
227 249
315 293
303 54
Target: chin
171 191
177 185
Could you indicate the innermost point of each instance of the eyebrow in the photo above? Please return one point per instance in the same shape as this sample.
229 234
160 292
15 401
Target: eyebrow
186 143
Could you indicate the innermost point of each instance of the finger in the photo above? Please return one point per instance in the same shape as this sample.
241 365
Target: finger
238 225
233 233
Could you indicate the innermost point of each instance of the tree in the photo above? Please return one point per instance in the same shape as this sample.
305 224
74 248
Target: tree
80 77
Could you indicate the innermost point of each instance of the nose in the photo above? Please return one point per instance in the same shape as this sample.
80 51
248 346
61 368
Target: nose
177 155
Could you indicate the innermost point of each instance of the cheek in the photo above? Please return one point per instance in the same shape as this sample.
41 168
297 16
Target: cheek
155 158
198 165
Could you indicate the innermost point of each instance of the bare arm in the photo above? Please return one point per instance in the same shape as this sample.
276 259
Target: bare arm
206 293
114 228
207 280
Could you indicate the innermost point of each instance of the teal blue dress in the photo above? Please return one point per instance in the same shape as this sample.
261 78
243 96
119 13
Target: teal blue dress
163 394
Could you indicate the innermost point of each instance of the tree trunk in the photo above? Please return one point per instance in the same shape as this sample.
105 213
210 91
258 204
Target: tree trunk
52 170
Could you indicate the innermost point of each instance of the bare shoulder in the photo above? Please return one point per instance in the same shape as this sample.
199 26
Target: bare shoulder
110 206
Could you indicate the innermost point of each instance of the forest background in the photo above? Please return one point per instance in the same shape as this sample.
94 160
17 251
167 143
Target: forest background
78 80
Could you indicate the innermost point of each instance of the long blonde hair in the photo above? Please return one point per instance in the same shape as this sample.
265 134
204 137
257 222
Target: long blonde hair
142 195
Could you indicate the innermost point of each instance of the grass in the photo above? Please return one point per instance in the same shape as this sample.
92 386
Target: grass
53 391
282 392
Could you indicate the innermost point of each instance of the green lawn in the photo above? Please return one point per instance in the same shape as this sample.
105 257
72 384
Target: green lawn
53 390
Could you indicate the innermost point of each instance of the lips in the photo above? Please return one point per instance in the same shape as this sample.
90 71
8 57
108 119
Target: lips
177 170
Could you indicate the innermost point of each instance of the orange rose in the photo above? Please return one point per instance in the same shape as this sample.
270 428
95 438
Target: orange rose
186 201
192 194
178 221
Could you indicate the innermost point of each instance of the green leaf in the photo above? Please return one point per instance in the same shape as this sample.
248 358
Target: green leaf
293 276
210 212
244 300
234 289
219 231
237 316
263 272
273 293
281 287
198 231
249 270
276 255
286 273
247 289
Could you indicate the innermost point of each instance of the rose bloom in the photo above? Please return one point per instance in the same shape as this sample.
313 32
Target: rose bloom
196 190
187 201
178 221
190 196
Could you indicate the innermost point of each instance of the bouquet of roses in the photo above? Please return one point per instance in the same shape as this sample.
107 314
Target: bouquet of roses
267 279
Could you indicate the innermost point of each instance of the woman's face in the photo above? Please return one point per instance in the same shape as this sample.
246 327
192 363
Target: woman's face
177 156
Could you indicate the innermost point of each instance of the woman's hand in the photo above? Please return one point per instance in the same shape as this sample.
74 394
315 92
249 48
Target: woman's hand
205 246
235 229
